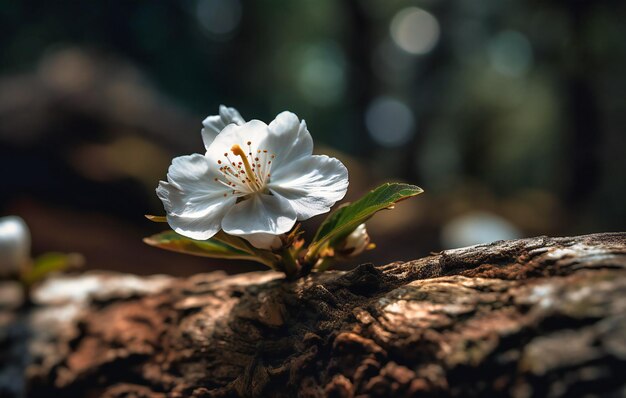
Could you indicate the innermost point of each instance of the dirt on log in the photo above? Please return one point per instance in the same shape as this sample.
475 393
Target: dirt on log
523 318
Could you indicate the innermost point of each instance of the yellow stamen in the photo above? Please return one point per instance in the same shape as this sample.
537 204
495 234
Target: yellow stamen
236 149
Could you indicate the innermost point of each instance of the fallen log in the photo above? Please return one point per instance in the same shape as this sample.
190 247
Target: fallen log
531 317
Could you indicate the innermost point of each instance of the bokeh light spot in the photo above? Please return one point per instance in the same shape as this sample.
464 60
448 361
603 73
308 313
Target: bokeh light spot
389 121
475 228
414 30
510 53
321 77
219 18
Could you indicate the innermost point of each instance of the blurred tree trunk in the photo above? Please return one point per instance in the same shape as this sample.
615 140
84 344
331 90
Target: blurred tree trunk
532 317
586 132
362 82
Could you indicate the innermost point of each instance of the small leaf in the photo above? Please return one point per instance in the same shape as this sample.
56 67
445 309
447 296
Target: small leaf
156 218
51 262
170 240
345 219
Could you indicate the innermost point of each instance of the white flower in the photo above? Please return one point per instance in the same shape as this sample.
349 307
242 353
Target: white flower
356 242
214 124
255 180
14 245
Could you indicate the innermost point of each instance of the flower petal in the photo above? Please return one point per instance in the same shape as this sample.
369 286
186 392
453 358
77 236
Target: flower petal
264 241
312 185
254 131
259 213
214 124
289 139
191 189
201 228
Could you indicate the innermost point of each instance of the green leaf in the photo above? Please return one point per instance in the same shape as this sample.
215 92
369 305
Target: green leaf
170 240
345 219
235 241
229 240
244 245
156 218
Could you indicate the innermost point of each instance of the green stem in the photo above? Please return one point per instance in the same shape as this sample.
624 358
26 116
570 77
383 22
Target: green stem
289 264
313 251
305 268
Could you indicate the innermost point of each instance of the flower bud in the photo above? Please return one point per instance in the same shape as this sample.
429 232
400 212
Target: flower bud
14 245
355 243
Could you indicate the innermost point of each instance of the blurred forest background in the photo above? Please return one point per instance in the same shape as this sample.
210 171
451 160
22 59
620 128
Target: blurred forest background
511 114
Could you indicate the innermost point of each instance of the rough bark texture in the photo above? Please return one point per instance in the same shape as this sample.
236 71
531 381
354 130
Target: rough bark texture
533 317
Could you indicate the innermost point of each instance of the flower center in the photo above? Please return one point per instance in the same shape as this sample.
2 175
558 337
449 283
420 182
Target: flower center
250 175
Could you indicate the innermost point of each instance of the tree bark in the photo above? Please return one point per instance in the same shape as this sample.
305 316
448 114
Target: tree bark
523 318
